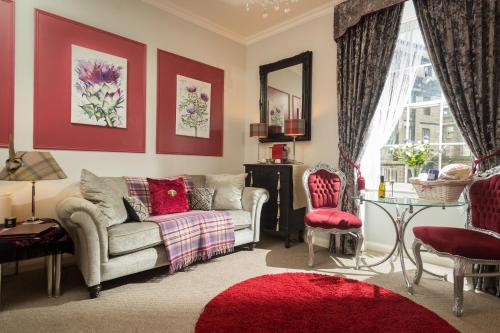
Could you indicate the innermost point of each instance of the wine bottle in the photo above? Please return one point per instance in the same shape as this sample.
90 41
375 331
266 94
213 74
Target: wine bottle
381 188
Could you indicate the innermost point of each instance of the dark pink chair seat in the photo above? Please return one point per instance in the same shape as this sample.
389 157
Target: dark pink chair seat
460 242
332 218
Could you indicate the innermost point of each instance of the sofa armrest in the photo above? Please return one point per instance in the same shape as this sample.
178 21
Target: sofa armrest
252 201
88 230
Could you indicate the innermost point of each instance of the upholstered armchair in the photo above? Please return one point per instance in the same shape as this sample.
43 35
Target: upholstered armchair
479 243
324 187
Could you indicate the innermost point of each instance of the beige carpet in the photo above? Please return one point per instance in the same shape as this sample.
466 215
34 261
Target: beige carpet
155 302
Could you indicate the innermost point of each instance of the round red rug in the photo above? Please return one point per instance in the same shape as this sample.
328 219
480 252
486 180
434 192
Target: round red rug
304 302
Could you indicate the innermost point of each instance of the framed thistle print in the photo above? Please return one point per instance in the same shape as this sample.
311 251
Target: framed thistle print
192 116
6 71
190 107
90 88
99 88
296 108
279 108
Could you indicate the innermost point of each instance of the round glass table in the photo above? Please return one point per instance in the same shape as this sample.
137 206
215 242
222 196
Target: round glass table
406 209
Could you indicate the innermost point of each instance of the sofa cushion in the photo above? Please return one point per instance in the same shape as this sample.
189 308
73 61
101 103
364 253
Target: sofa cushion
106 193
130 237
136 210
168 196
228 190
201 198
241 218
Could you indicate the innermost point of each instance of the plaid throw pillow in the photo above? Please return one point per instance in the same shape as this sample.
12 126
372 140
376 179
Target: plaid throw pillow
201 198
136 210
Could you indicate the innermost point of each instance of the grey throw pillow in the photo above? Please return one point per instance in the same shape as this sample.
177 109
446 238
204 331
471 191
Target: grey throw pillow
228 190
201 198
137 211
106 193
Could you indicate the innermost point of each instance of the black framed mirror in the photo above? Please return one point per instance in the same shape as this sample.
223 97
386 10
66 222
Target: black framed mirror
285 93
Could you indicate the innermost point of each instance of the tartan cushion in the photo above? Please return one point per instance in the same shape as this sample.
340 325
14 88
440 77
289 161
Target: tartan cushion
201 198
138 187
136 210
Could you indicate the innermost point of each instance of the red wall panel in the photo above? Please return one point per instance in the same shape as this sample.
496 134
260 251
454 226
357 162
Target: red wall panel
167 142
6 71
53 129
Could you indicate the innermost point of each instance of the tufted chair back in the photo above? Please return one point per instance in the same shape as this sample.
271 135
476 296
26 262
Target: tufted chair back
324 186
484 202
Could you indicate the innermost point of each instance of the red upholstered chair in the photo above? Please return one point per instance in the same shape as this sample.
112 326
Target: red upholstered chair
479 243
324 187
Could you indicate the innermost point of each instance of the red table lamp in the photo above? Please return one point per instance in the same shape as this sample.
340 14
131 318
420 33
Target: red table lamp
258 130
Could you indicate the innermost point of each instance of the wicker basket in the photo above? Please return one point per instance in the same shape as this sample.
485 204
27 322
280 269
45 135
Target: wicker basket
439 190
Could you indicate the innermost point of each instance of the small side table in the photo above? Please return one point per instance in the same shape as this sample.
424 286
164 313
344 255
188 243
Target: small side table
406 209
50 244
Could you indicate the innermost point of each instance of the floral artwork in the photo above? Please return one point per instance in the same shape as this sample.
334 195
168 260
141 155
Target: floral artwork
193 107
278 107
99 88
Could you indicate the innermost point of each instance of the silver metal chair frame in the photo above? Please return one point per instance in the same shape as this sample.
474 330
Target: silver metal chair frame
357 232
461 264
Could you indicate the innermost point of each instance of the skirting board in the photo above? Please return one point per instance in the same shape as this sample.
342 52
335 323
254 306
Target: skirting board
324 241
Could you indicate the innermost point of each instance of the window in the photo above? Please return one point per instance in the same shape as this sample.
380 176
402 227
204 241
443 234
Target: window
426 134
425 117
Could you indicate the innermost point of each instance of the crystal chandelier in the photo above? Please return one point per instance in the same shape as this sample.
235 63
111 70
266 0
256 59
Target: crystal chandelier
267 5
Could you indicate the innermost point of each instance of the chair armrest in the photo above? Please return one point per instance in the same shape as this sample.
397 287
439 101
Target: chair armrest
88 230
252 201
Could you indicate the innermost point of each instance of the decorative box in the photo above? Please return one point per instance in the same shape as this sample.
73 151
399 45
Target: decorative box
279 152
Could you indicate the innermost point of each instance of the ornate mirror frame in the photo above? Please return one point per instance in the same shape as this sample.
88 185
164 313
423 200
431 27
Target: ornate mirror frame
305 59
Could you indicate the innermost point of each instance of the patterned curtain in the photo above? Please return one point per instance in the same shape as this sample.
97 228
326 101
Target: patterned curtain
364 56
463 40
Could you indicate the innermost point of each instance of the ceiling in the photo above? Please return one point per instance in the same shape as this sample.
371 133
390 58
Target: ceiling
229 17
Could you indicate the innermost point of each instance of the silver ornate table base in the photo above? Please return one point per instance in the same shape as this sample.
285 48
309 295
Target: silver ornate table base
401 221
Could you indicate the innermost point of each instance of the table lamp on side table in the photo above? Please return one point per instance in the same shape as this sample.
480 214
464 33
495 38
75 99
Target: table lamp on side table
31 166
295 128
258 130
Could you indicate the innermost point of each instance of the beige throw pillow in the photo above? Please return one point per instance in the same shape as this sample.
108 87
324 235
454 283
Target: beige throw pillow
228 190
107 194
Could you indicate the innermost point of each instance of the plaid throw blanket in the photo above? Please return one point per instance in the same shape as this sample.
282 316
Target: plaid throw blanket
195 235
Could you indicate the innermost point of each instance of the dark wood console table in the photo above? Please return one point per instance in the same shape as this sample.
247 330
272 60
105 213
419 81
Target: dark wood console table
278 214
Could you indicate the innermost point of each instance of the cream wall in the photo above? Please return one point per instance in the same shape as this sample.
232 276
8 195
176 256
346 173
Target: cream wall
315 36
157 29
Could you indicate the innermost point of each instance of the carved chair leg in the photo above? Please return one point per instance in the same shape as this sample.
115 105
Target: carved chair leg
94 291
418 260
310 246
458 286
359 245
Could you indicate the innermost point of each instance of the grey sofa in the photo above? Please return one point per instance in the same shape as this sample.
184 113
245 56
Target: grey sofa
105 250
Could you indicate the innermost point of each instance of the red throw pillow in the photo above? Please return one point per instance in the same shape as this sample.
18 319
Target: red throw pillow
168 196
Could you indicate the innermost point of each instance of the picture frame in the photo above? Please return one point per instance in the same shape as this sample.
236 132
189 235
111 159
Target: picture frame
7 45
53 129
169 140
296 108
278 109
